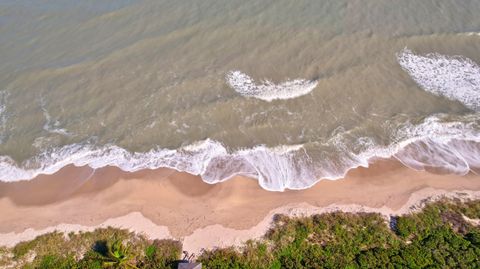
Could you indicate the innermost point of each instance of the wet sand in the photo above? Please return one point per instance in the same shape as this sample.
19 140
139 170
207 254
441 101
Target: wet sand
183 203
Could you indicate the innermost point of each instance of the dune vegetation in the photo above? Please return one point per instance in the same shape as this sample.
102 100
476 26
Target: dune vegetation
445 234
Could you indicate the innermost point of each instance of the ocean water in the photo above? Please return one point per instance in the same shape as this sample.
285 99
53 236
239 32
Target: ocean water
287 92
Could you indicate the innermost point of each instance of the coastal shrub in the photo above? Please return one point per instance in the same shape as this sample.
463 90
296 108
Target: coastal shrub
5 256
254 254
44 243
405 226
474 238
470 209
162 254
22 248
257 255
91 260
222 258
54 261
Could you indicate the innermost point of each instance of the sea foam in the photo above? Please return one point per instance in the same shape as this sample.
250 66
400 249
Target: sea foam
447 146
51 126
454 77
267 90
434 142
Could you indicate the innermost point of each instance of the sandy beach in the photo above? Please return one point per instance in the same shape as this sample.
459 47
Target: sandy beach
167 204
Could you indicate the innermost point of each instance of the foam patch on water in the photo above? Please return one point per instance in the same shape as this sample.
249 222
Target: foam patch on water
51 126
435 142
454 77
267 90
473 34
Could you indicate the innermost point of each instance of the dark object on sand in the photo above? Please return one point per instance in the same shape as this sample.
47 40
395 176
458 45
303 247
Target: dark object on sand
188 263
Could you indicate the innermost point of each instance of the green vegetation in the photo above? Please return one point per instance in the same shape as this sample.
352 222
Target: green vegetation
102 248
118 256
440 236
437 237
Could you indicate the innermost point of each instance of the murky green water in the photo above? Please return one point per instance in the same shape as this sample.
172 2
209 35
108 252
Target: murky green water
91 82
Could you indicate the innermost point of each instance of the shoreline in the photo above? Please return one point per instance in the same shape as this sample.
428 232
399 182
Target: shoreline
167 204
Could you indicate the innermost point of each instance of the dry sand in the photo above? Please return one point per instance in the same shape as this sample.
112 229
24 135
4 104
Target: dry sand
164 203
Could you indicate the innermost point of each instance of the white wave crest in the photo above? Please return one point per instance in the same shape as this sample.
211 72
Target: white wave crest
267 90
191 159
207 158
434 143
456 78
447 146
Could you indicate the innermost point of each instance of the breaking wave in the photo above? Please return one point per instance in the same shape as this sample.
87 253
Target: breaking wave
267 90
454 77
434 143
